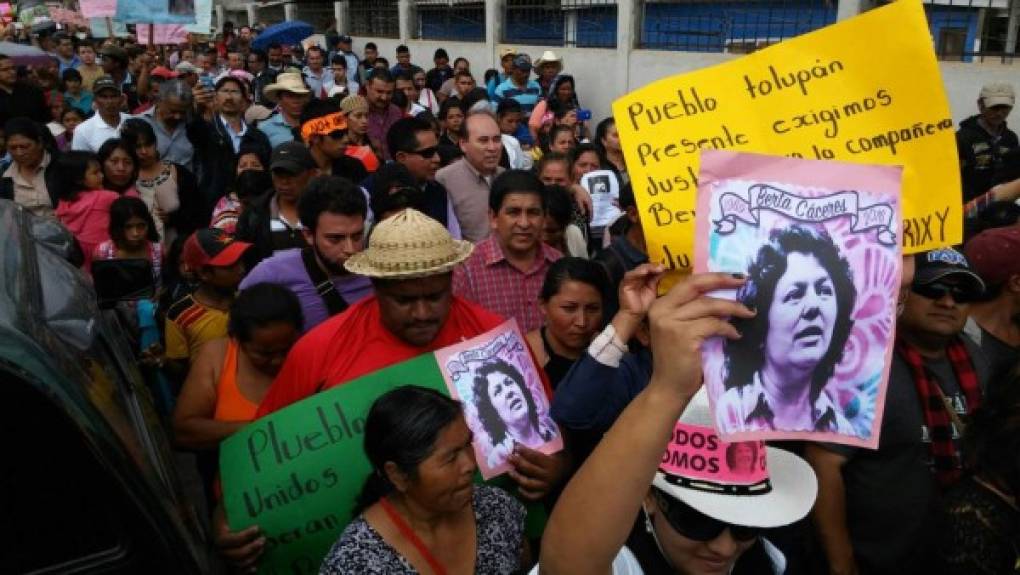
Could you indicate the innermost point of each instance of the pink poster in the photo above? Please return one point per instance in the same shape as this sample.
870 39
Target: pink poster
505 402
98 8
698 453
819 243
163 33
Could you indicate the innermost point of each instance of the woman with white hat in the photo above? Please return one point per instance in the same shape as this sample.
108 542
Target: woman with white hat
701 515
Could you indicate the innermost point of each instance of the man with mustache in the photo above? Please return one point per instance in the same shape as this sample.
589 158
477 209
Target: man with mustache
777 372
410 259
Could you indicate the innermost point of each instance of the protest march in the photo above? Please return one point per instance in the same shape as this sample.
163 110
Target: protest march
273 302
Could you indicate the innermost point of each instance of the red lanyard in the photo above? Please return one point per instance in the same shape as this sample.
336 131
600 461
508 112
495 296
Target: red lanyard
409 534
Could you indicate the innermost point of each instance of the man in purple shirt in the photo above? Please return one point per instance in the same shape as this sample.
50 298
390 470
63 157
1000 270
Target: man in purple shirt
382 114
332 211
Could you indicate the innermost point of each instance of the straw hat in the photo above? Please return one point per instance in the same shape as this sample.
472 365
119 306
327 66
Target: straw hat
550 57
287 82
353 103
785 495
409 245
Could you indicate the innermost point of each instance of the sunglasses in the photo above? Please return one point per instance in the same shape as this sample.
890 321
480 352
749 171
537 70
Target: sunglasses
697 526
938 290
426 152
337 134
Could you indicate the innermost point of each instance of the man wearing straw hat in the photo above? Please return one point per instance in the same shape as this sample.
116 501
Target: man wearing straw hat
410 259
291 95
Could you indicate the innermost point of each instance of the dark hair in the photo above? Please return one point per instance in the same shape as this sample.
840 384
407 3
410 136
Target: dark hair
316 108
559 205
388 176
555 86
104 153
515 182
490 419
462 73
273 46
23 126
508 106
402 49
574 269
332 194
731 452
71 168
600 134
339 58
440 53
490 74
123 209
580 150
137 132
69 75
78 111
386 65
552 158
745 356
403 135
381 74
402 427
371 46
991 442
252 183
547 142
260 305
259 54
626 199
560 109
460 59
447 105
474 96
314 48
404 76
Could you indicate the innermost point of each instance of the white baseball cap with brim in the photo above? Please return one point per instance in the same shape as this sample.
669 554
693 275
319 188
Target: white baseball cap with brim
409 245
781 491
287 82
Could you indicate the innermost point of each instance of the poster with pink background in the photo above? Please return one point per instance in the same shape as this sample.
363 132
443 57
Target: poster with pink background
819 242
505 401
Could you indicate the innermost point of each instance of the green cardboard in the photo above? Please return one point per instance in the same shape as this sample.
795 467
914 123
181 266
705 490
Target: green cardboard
297 472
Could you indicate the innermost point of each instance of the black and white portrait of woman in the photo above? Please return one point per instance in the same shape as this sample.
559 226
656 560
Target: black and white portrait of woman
508 411
776 374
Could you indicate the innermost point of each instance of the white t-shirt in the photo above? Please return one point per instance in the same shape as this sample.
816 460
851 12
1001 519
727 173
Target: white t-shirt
624 564
91 134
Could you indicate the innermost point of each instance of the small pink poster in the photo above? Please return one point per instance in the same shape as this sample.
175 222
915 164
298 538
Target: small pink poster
819 242
505 401
162 33
98 8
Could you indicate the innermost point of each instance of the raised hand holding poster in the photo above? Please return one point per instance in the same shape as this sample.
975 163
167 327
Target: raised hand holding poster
853 91
819 243
504 399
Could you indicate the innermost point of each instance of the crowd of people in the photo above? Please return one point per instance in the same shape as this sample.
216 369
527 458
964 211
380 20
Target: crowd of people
310 216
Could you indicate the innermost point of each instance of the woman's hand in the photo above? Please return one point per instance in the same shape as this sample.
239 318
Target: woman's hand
583 200
536 473
682 320
637 293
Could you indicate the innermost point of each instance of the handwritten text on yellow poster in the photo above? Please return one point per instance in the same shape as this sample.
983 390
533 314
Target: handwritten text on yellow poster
867 90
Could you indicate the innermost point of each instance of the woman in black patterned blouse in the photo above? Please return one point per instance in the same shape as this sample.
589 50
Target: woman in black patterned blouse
420 511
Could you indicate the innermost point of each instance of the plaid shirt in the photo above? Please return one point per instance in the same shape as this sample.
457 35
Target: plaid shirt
488 279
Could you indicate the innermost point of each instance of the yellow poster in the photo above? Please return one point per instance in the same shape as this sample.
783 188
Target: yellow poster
867 89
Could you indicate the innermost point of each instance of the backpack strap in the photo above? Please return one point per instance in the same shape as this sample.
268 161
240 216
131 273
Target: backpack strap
335 303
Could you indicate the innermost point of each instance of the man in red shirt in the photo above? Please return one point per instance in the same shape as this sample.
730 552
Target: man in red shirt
410 258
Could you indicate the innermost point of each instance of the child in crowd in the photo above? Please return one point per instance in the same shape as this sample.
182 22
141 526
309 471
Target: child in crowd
132 235
75 95
70 118
84 205
213 258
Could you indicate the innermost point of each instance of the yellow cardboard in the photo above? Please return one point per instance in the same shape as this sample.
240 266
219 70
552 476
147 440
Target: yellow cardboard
867 90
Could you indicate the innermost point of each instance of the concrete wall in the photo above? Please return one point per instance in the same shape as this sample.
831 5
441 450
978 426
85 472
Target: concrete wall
605 74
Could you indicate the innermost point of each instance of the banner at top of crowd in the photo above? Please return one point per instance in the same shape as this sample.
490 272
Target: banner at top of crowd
864 90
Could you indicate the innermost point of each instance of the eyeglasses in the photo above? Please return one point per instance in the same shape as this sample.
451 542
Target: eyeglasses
695 525
337 134
938 290
426 152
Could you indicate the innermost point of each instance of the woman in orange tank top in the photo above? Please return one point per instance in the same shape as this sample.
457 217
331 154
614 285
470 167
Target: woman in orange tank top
229 377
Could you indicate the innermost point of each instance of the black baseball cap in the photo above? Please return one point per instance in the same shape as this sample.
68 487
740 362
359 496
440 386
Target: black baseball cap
292 157
935 265
105 83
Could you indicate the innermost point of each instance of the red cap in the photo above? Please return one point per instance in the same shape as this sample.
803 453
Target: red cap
993 254
211 247
163 72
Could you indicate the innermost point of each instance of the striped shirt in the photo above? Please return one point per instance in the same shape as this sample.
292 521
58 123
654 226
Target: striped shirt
489 280
190 324
527 96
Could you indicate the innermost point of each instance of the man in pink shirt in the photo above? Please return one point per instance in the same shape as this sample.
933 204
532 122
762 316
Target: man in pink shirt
506 270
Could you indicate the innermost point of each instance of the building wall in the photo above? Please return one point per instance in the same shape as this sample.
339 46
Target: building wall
603 75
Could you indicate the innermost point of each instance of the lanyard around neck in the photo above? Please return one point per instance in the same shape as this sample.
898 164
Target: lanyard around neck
410 535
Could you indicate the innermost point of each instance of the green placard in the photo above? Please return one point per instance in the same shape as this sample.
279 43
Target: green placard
297 472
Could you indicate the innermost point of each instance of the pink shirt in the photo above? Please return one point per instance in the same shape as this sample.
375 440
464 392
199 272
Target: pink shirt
88 218
488 279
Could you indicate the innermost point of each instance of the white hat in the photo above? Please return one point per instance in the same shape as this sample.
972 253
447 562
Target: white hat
287 82
550 57
998 94
782 492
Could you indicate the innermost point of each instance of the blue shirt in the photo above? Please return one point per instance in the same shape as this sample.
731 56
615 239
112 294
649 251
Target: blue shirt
527 97
593 394
277 130
82 102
